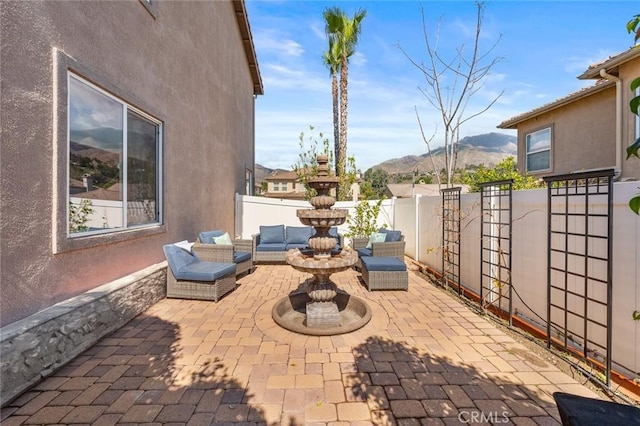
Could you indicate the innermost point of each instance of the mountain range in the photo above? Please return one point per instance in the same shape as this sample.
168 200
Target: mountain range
488 149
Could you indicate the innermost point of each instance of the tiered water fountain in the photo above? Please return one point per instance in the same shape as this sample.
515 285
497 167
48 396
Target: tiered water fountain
318 307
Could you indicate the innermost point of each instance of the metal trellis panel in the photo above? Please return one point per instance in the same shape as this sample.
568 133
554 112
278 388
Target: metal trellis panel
495 246
579 265
451 237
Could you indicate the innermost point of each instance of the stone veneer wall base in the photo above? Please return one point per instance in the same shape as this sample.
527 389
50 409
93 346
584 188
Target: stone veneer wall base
36 346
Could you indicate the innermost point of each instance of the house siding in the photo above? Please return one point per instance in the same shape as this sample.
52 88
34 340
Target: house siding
186 66
583 134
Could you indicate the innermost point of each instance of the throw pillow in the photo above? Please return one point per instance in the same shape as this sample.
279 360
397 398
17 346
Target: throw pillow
298 234
206 237
223 239
376 237
272 234
392 236
184 245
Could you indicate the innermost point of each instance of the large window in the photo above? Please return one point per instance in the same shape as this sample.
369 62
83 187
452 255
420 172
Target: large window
114 162
538 145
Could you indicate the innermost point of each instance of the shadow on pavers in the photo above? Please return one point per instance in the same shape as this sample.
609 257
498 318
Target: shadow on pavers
402 385
135 375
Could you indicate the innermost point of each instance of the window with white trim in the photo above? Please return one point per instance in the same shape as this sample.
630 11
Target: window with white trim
276 186
284 186
114 164
538 150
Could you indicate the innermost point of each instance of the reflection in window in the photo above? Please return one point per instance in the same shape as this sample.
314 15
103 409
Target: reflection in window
538 146
142 175
98 142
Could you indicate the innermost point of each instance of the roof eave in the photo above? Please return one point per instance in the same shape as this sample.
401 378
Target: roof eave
611 64
513 122
249 47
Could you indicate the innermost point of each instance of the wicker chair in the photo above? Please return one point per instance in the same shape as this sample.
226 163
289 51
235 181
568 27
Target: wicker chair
239 252
382 249
189 277
385 249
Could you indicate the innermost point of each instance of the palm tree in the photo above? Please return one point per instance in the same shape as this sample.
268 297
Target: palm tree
344 32
332 59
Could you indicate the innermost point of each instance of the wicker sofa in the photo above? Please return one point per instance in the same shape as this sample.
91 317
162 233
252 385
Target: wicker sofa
189 277
239 251
273 242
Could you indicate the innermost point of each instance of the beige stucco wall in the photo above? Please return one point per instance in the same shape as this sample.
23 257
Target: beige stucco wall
583 134
187 67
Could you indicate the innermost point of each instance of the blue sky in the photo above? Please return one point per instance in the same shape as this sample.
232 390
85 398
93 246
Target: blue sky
545 45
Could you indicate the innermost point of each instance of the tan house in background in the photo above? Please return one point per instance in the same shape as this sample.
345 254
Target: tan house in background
285 185
585 130
125 126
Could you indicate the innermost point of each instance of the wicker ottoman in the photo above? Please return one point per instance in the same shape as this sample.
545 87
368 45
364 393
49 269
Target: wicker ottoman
384 273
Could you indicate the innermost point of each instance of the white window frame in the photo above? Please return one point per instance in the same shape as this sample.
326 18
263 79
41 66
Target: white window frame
276 186
284 186
527 152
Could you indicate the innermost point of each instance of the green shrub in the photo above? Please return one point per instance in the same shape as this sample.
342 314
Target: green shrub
363 222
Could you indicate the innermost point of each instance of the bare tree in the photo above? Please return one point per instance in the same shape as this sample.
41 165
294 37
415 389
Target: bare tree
451 82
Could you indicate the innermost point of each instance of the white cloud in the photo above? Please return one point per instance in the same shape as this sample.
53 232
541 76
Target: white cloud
578 64
273 42
292 77
317 29
358 59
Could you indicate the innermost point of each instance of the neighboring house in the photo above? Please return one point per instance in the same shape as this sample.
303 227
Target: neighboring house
285 185
147 107
585 130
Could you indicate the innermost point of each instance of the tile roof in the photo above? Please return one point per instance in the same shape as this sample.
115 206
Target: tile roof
610 64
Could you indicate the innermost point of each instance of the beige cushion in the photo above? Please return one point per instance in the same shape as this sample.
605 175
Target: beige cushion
223 239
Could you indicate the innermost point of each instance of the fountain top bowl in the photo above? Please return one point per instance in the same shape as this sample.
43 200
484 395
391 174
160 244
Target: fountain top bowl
336 263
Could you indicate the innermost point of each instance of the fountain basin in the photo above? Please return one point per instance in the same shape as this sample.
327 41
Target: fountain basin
290 313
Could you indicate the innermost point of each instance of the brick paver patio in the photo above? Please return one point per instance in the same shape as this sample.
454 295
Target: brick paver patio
424 358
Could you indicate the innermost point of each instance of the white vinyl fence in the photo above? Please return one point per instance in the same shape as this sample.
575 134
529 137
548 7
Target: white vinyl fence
420 218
